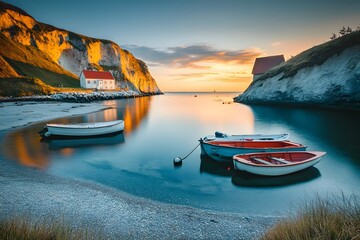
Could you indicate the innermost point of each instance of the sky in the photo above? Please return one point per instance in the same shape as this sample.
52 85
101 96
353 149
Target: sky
201 45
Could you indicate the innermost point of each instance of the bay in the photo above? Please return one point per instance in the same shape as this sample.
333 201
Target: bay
159 128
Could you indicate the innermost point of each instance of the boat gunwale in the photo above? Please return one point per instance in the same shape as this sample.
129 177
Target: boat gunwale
84 125
295 145
317 155
249 137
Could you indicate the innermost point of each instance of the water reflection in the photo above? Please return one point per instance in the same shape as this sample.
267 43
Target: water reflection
26 147
60 143
210 166
244 179
132 111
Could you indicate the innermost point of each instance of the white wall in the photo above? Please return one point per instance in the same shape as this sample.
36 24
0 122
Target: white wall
96 83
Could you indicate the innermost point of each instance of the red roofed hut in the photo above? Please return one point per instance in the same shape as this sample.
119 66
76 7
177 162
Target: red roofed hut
97 80
263 64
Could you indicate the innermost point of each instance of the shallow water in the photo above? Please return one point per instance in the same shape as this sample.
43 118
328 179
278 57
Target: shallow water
159 128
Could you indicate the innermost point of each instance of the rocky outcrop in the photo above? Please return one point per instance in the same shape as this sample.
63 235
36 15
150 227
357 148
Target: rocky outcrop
74 52
328 74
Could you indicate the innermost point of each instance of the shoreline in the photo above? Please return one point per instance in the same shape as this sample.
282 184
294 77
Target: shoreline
32 193
79 97
355 107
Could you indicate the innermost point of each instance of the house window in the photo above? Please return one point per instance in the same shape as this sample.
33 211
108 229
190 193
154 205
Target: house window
88 82
94 82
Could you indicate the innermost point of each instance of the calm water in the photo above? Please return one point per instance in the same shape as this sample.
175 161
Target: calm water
159 128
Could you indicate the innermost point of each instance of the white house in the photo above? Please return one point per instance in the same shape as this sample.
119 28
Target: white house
97 80
264 64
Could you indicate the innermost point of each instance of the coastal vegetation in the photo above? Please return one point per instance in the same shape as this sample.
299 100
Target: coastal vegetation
332 218
343 31
27 86
24 229
23 86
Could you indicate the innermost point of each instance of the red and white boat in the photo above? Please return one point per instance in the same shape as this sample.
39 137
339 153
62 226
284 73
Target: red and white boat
223 151
276 163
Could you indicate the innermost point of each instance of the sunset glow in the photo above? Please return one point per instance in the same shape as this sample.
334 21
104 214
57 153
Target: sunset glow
201 45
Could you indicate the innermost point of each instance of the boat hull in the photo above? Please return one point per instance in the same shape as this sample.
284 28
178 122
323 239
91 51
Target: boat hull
225 154
276 170
62 142
82 130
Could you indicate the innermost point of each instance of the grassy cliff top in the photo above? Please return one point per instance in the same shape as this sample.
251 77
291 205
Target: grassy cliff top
314 56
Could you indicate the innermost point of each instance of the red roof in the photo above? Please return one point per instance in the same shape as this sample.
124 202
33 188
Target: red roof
265 63
97 75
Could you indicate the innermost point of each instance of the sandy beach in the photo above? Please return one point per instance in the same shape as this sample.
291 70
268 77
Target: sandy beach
32 193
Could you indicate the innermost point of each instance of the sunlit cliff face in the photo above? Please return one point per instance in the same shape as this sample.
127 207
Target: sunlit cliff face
75 52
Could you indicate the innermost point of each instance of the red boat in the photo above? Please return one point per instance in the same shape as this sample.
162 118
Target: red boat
223 151
276 163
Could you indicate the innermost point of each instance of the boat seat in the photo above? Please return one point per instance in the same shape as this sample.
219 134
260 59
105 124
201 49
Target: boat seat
280 160
262 161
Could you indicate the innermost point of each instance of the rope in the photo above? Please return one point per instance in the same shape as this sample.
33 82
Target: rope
190 152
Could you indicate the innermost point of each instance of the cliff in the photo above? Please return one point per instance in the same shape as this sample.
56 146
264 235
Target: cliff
327 74
57 56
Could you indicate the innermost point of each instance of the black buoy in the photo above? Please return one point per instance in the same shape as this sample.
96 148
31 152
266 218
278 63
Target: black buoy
178 160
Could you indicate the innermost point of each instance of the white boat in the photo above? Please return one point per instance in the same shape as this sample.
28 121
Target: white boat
83 129
276 164
219 136
223 151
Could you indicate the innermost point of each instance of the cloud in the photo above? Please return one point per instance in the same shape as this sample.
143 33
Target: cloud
192 56
185 76
276 44
226 77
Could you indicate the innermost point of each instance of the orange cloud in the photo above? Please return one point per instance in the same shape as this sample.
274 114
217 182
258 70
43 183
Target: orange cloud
192 56
199 67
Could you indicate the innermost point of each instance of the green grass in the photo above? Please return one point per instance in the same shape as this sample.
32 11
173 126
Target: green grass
24 229
314 56
332 218
28 54
30 62
25 86
49 77
22 86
